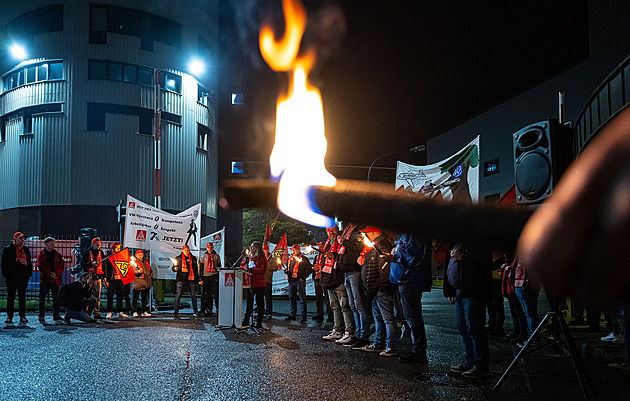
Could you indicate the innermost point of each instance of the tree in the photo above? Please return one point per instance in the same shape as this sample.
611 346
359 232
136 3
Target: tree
255 222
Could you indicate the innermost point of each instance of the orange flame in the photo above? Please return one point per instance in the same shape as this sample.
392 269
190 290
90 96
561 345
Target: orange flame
299 120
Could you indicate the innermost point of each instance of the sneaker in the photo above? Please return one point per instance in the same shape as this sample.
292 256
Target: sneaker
352 341
461 368
109 315
195 314
42 320
146 314
388 352
609 338
372 348
135 314
476 373
414 358
360 344
289 317
346 337
9 320
23 320
122 314
332 336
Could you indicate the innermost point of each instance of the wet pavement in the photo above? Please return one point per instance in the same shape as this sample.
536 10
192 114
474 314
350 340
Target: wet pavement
162 358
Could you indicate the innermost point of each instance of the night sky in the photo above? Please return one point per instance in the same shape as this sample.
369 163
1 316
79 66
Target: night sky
406 71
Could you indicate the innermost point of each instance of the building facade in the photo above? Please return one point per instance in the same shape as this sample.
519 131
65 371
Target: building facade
102 105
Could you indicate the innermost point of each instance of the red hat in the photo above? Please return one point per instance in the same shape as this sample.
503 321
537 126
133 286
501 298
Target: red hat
18 234
185 247
296 246
371 229
139 251
96 239
113 244
265 247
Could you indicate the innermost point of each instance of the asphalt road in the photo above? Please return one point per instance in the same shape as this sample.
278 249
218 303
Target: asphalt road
161 358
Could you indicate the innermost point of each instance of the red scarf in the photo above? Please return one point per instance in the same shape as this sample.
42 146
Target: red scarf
19 252
188 269
295 268
99 266
210 265
364 251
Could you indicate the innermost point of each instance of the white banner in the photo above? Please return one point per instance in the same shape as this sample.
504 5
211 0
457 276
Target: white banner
453 179
163 233
280 285
218 240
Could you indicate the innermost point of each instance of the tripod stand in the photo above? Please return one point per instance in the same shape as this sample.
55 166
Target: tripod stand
584 379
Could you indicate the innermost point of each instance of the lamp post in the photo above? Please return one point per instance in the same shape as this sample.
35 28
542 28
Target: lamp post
415 149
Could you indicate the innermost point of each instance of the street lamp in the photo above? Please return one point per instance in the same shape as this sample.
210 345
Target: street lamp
18 52
196 67
415 149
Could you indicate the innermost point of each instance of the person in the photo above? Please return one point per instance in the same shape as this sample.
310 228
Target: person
257 266
93 264
519 321
78 298
299 268
410 269
319 291
50 264
468 287
272 266
382 296
210 266
142 285
114 284
496 310
350 247
17 269
527 292
331 280
187 276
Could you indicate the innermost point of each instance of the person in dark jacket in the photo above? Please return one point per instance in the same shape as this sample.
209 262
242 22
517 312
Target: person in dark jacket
78 298
187 276
256 265
350 247
272 266
299 268
467 285
50 264
410 269
93 264
210 266
114 284
17 269
142 285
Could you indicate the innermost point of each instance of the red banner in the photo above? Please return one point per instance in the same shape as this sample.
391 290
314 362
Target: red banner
281 250
122 264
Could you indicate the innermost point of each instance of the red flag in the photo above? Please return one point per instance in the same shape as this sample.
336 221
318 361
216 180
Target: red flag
122 264
282 250
509 197
267 234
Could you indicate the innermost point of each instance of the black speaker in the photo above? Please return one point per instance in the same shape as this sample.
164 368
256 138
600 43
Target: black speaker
542 151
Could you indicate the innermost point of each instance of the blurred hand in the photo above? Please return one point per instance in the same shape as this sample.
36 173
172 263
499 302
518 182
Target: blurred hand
387 257
572 243
451 300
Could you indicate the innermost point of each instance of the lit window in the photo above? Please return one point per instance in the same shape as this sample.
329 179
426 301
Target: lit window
42 72
172 82
237 98
491 167
237 167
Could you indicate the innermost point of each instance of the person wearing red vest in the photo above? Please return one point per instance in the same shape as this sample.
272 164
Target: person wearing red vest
114 284
17 269
93 264
187 276
210 266
257 266
50 263
298 270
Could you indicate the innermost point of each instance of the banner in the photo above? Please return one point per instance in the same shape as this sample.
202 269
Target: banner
121 262
163 233
280 285
218 240
454 179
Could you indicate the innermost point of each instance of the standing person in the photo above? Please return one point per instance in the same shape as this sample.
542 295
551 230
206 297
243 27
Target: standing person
527 293
187 276
50 263
142 285
331 281
17 269
519 321
257 267
272 266
410 269
468 287
210 266
350 247
321 296
496 310
114 284
298 270
93 264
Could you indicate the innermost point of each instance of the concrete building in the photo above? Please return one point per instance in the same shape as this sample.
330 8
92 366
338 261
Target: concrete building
101 103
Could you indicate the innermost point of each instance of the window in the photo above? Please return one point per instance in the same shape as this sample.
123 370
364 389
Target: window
172 82
237 167
28 112
103 69
55 71
96 113
203 133
97 70
130 73
115 72
31 75
491 167
145 76
237 98
202 95
42 72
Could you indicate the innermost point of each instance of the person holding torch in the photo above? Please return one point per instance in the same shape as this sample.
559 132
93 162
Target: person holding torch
185 265
298 270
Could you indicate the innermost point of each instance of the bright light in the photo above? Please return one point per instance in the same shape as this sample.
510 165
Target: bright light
18 52
196 67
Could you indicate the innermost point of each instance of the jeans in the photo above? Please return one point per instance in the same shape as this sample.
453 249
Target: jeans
342 314
353 286
529 302
44 289
210 291
18 285
297 287
319 298
145 299
471 317
519 320
268 300
193 287
117 288
411 300
386 302
83 314
97 287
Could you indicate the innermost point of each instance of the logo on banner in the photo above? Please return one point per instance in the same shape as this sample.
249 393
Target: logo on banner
195 213
459 170
229 279
132 205
141 235
123 267
216 237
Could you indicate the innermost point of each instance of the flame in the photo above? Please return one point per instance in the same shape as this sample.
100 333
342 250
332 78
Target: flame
309 249
299 120
174 261
133 261
367 241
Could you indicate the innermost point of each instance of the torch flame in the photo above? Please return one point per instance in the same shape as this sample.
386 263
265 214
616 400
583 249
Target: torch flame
367 241
299 120
133 261
174 261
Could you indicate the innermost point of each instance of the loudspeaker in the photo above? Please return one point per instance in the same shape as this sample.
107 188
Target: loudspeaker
542 151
